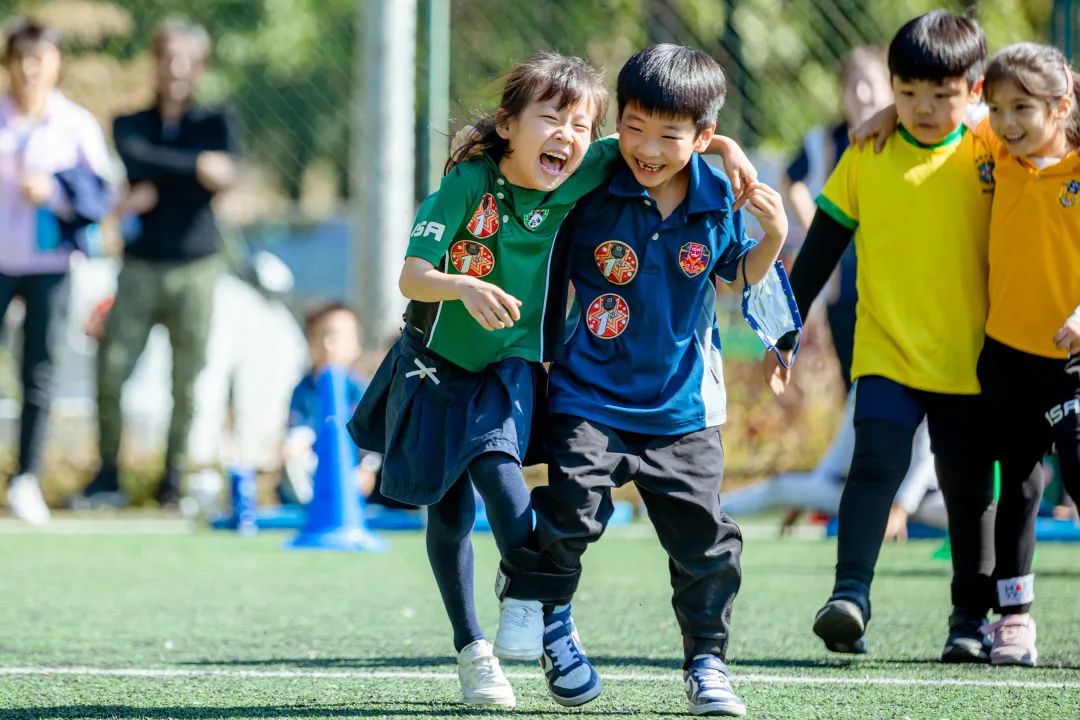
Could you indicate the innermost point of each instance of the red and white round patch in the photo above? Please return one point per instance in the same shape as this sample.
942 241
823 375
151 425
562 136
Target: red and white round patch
472 258
607 316
616 261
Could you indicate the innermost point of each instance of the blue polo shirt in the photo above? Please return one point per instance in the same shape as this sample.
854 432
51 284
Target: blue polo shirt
643 352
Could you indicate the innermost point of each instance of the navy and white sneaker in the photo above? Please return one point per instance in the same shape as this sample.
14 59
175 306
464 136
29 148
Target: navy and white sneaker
708 689
571 678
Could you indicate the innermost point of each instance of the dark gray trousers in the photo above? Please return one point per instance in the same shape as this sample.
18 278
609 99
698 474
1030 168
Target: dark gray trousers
678 477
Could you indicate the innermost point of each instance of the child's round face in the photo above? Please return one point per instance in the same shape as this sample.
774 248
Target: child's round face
866 90
335 340
930 111
656 147
1026 125
547 144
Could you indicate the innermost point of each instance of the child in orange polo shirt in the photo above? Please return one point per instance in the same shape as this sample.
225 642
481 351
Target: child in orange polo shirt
1029 367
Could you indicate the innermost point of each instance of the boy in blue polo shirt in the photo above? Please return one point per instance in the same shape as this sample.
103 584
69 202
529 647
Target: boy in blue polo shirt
640 395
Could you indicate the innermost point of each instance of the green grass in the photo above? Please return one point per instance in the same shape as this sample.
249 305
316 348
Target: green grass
214 602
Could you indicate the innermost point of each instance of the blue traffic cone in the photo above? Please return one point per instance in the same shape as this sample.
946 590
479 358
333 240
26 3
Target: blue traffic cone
335 518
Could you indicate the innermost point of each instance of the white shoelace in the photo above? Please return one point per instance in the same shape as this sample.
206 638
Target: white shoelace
486 669
563 653
708 679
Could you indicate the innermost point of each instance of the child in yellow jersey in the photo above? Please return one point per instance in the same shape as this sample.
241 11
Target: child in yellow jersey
1031 387
919 212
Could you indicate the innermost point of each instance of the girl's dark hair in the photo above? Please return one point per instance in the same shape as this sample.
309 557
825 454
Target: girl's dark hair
28 32
1042 72
542 77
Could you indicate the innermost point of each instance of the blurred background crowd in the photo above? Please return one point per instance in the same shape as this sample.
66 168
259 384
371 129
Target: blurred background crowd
243 149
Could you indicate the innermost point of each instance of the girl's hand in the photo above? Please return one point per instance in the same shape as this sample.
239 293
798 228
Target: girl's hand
1068 337
766 205
489 305
879 127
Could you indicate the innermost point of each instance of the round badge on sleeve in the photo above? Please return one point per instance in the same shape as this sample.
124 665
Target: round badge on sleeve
607 316
472 258
616 261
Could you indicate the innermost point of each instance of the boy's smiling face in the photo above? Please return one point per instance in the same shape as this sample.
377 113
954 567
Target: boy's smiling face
658 147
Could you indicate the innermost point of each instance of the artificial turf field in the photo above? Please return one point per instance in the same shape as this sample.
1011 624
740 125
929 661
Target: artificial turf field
193 626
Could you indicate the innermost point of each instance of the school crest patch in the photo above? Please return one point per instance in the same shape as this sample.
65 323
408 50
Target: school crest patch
616 261
485 219
471 258
533 218
607 316
694 258
985 166
1068 193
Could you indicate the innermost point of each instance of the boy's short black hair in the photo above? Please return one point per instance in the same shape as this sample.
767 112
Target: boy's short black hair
673 81
938 46
316 316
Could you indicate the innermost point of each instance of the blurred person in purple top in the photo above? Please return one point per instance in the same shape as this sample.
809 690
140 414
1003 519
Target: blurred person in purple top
49 148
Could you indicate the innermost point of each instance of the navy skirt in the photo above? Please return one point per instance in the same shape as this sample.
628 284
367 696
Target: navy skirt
430 418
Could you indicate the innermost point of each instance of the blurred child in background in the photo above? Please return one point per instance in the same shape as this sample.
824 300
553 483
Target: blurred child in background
333 335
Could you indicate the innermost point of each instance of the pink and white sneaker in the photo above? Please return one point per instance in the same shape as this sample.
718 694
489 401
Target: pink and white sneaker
1014 641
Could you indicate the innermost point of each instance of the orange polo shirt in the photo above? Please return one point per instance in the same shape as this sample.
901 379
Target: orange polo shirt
1034 249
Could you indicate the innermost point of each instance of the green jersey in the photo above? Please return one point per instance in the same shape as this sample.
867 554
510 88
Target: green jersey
479 224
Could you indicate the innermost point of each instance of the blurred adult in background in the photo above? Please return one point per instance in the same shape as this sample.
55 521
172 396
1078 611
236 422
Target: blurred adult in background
53 165
865 89
178 157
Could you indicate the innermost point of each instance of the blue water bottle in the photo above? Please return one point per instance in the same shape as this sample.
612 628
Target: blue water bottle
244 498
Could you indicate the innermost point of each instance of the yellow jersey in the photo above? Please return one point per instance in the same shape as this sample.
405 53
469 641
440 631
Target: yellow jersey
1034 249
920 215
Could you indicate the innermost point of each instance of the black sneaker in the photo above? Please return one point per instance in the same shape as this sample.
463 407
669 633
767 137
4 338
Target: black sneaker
842 626
102 492
168 492
966 642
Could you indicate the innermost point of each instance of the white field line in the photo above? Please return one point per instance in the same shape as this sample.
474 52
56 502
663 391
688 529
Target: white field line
738 678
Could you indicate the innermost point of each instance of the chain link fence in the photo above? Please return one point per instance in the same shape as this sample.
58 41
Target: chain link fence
292 72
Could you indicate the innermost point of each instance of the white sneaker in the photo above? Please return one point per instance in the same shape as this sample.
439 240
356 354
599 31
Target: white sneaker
482 679
24 499
521 630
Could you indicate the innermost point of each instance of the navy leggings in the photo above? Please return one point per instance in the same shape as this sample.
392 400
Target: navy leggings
498 479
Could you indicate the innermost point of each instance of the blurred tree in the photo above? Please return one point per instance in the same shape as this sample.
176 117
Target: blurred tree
287 66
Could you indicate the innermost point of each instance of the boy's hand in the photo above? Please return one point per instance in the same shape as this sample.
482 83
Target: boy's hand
461 138
776 375
489 305
879 127
766 205
1068 337
740 171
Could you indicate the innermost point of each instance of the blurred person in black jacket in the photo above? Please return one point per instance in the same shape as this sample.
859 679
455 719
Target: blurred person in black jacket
177 156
